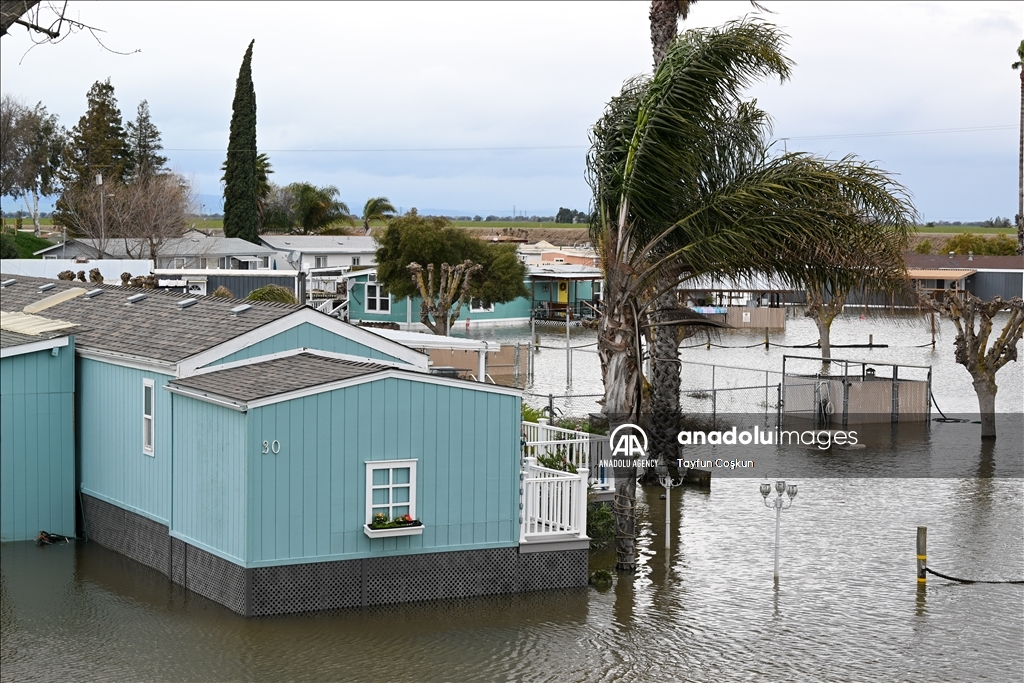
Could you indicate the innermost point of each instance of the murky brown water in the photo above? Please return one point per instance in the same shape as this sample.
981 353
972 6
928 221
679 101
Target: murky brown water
847 607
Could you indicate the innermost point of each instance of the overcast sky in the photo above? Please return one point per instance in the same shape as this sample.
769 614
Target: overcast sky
460 80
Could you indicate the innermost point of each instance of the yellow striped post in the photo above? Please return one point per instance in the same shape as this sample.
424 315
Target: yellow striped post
922 554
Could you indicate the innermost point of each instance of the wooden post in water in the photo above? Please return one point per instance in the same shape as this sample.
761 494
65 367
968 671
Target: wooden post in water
871 341
922 554
766 339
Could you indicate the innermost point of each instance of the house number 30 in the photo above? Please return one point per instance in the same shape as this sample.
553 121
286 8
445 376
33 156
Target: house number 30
271 447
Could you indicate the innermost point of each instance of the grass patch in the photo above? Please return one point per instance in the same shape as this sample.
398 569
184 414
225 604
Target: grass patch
29 243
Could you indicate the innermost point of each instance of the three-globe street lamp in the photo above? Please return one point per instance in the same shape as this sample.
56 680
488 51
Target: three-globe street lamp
779 504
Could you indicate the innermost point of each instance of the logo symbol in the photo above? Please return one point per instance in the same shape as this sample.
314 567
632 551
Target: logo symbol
628 444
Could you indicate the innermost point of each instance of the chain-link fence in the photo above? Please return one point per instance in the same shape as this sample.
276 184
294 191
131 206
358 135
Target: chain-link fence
577 406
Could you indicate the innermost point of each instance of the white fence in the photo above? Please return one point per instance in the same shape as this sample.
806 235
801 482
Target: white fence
554 504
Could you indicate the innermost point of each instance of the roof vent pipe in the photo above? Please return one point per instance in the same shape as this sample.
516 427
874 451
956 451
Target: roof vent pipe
951 254
970 256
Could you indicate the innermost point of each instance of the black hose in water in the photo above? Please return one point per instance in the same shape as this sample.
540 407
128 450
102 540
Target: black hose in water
943 418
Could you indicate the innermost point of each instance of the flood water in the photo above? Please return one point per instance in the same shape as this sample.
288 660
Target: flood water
847 607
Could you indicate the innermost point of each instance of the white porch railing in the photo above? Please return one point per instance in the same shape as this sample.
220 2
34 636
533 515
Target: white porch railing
580 449
329 308
554 504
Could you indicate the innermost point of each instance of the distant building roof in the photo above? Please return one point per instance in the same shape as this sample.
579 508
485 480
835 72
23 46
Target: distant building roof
321 244
932 261
939 274
277 376
566 271
194 245
154 327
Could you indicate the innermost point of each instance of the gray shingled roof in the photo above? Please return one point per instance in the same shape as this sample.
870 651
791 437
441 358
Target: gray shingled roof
154 328
175 246
9 339
316 244
278 376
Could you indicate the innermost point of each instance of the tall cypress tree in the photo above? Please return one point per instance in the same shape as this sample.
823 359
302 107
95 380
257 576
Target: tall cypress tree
241 217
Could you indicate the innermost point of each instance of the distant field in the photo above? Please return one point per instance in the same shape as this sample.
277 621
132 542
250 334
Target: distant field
948 229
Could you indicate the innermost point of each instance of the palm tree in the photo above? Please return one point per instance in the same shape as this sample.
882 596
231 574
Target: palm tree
684 186
1019 64
377 209
316 207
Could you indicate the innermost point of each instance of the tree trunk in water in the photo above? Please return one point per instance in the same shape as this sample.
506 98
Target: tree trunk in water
824 339
617 347
665 382
986 391
1020 173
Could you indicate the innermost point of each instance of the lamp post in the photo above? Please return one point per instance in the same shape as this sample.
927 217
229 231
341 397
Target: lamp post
779 505
103 223
669 484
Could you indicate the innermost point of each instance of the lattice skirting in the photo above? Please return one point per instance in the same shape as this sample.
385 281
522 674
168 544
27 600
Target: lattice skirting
266 591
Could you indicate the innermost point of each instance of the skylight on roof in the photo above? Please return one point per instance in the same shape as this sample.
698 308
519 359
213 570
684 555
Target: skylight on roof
136 297
92 293
240 309
185 303
7 283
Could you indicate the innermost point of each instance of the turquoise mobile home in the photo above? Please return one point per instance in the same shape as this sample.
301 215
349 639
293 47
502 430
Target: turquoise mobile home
555 291
37 449
248 452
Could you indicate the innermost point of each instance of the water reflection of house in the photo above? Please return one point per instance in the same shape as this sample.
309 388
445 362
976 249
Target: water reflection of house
244 450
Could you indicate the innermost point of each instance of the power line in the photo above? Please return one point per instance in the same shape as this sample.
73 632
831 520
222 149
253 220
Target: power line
930 131
383 150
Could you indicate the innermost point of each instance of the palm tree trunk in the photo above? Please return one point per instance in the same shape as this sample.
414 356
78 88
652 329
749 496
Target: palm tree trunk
1020 174
665 382
618 349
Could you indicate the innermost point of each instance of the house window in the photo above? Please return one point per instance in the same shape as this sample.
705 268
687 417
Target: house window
477 306
264 262
320 262
377 298
148 409
355 260
179 263
390 489
208 263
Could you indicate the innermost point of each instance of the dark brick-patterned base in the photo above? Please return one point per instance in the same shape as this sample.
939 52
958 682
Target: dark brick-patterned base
266 591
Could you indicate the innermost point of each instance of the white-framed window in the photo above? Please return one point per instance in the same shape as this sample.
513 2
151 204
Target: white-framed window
320 262
390 489
477 306
377 298
209 263
264 262
355 260
148 411
178 263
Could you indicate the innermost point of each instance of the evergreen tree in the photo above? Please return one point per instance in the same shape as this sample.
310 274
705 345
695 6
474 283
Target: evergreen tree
241 192
97 144
144 145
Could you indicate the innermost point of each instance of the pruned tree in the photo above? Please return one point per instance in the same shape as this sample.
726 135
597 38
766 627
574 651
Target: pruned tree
495 273
442 299
973 347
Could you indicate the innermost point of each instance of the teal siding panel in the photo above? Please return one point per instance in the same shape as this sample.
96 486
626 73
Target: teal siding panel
37 457
210 476
309 501
305 336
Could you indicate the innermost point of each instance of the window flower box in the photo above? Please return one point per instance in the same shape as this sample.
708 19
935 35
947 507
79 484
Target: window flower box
408 530
383 527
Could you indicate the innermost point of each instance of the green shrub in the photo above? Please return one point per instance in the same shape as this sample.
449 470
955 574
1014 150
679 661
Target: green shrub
272 293
600 525
223 292
925 247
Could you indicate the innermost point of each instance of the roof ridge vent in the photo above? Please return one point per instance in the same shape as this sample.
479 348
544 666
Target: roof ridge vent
237 310
93 293
48 286
185 303
135 297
